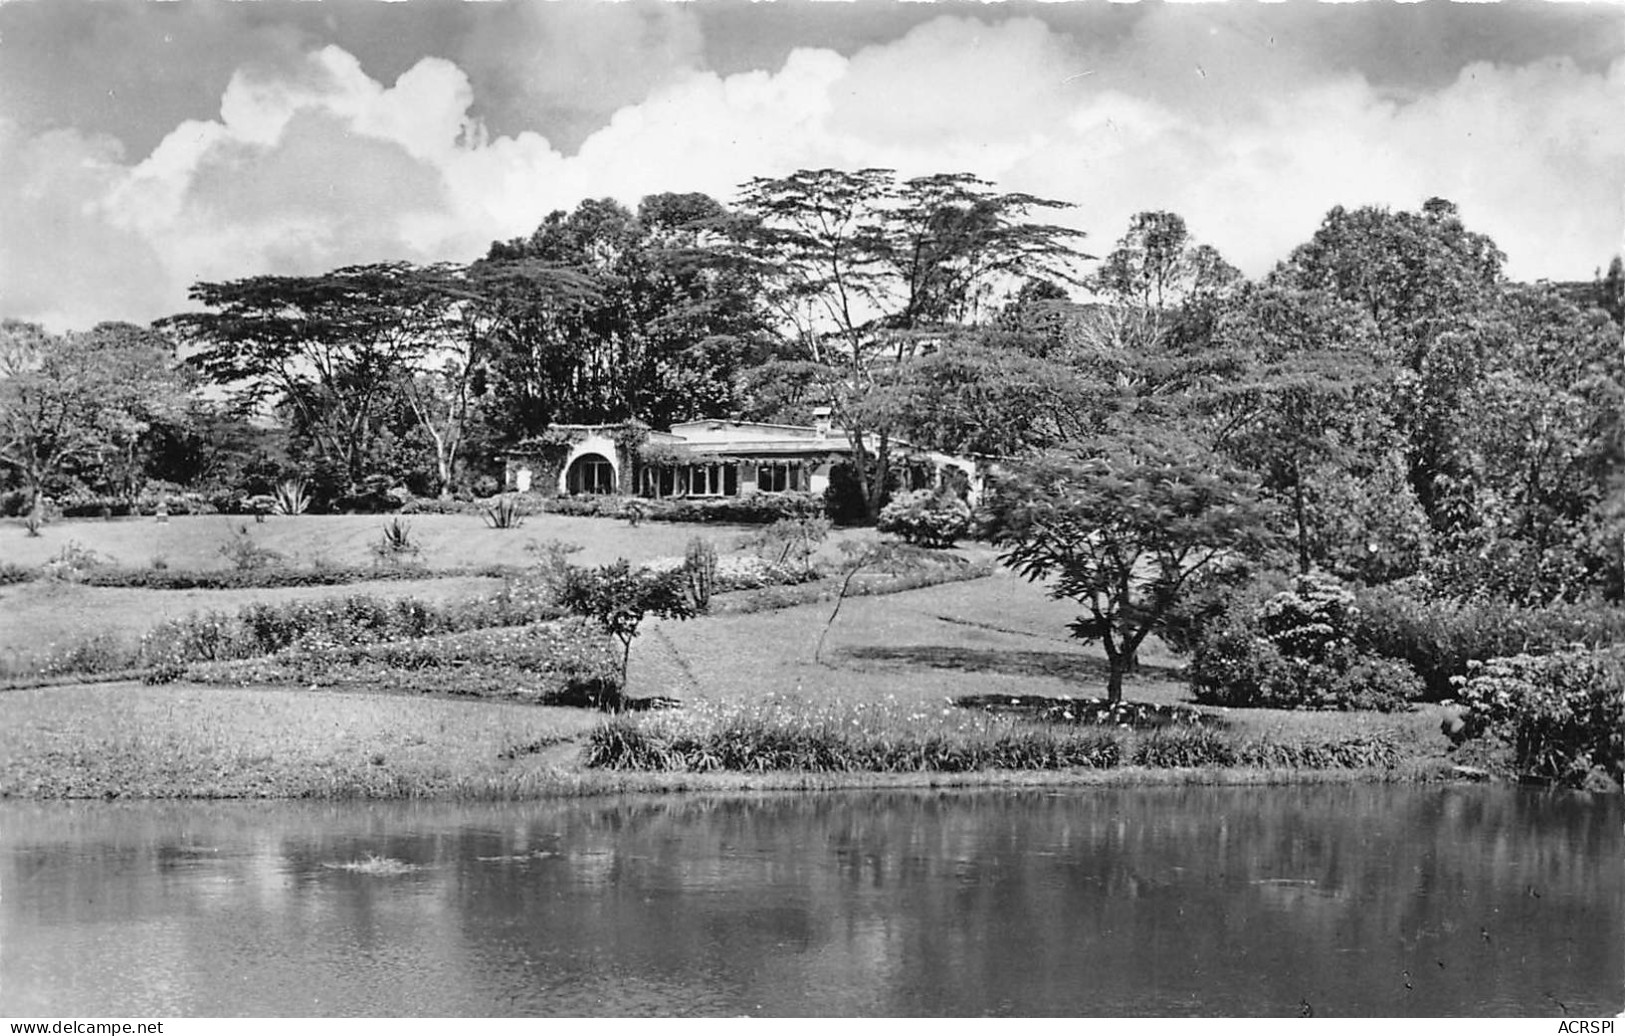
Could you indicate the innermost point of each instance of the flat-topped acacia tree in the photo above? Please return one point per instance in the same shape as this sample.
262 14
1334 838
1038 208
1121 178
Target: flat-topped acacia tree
1122 529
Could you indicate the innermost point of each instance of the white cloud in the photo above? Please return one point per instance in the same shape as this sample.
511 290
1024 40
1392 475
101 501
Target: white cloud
317 165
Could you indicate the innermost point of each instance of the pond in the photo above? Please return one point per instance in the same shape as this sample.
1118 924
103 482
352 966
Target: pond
1336 900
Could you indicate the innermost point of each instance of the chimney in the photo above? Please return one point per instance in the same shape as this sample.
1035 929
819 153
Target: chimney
821 423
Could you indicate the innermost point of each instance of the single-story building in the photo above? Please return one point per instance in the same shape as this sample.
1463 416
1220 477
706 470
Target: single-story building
711 458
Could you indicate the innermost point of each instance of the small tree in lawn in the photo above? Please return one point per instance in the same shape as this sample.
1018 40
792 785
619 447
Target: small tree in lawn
618 597
1124 531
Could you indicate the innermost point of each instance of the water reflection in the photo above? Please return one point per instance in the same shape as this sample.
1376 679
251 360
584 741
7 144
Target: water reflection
1168 901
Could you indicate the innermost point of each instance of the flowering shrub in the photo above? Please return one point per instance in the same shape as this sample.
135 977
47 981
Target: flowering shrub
790 540
926 518
1097 711
1296 650
73 562
1563 714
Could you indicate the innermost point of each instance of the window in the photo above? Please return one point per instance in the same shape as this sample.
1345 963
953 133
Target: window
780 478
772 478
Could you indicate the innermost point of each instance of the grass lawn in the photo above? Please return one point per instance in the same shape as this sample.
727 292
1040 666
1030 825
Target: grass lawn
47 612
986 636
225 742
446 540
995 635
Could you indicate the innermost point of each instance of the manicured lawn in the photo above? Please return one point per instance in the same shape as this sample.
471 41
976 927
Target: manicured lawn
986 636
446 540
225 742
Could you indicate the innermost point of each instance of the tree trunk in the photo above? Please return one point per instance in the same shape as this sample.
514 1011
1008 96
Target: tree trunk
1303 526
1114 680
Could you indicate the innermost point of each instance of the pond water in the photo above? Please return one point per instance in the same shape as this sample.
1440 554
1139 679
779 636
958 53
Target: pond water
1411 901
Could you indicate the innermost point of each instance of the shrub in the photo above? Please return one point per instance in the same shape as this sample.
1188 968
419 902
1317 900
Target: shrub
558 663
244 554
98 653
373 497
201 636
790 540
11 572
290 498
1440 638
1563 714
1295 650
396 545
748 509
700 572
618 597
504 513
926 518
73 562
552 565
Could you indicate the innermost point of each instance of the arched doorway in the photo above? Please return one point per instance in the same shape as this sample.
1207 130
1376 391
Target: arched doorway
590 473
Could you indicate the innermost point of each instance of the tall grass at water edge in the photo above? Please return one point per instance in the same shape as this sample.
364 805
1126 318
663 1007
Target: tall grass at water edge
780 734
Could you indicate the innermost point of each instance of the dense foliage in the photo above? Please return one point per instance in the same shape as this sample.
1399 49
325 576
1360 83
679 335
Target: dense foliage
1296 648
1563 714
926 518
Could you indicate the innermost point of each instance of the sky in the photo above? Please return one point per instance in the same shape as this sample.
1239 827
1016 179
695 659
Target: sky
147 145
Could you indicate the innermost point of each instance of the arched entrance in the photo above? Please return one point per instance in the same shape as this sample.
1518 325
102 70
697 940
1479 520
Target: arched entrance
590 473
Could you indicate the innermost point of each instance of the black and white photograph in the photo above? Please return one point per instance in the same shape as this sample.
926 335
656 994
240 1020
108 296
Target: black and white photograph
571 509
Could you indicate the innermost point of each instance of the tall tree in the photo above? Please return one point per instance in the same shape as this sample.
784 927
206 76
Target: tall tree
83 404
1425 280
607 315
865 273
1310 373
329 348
1547 441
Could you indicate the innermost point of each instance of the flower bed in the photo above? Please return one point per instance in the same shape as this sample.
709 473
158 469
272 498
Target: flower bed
556 663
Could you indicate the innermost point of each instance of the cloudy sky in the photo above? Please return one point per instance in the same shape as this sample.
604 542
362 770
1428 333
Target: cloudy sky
148 145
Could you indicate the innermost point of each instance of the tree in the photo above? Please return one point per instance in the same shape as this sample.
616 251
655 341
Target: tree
82 405
330 348
1425 280
1298 408
1148 336
619 597
1158 287
1124 530
1546 442
978 394
602 315
864 273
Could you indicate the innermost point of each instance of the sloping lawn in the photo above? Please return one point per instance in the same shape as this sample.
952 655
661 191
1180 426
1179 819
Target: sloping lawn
445 540
986 636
